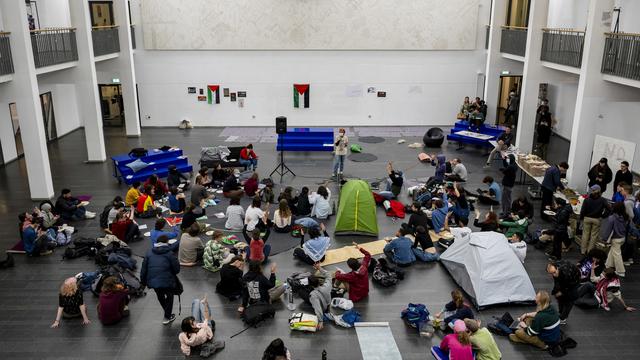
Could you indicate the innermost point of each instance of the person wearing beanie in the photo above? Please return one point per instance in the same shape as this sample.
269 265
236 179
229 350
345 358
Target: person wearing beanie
482 341
454 346
600 174
593 209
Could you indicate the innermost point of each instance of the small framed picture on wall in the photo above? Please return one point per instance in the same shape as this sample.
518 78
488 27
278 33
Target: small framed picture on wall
191 90
232 96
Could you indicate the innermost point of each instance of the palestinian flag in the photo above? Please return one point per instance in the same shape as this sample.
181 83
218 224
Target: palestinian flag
211 89
300 89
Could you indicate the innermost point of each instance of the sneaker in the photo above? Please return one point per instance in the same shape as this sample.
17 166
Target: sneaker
487 165
89 215
620 274
563 321
169 320
605 308
627 263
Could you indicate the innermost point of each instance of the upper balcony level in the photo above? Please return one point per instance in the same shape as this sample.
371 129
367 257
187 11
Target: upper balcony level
563 47
54 46
105 40
621 57
6 60
513 40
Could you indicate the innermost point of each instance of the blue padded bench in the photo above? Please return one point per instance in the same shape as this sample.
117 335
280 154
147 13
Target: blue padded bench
158 161
306 139
493 130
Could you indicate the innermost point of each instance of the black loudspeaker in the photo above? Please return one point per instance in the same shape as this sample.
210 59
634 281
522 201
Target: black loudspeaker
281 125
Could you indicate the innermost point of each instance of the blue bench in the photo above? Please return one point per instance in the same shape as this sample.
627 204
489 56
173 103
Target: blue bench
492 130
306 139
158 161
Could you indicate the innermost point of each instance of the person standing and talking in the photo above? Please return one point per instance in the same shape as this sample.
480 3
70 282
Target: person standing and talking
340 151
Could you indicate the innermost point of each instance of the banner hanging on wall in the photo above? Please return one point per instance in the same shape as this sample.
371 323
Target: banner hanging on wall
300 89
213 91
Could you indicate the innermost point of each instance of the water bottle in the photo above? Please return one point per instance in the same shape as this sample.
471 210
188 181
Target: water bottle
289 294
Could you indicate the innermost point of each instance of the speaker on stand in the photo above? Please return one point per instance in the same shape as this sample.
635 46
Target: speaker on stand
281 129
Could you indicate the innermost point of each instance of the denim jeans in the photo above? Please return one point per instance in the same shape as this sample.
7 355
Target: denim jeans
197 310
338 163
425 256
251 163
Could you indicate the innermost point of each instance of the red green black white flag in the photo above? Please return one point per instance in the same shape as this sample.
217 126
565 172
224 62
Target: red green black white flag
211 91
300 89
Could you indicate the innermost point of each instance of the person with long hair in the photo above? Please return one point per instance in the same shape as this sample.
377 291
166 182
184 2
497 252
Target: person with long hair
292 200
303 206
248 158
276 351
258 250
255 217
282 217
251 185
198 331
146 208
454 310
539 328
71 303
235 215
455 346
259 289
490 222
614 231
112 305
321 201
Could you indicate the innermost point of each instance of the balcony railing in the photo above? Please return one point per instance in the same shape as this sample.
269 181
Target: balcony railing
514 40
622 55
105 40
486 36
54 46
6 62
133 36
562 46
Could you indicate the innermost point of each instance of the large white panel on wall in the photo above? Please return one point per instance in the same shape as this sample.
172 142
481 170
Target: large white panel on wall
309 24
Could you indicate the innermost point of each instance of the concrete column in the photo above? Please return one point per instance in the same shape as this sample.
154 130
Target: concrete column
496 63
124 64
84 76
533 74
592 91
24 90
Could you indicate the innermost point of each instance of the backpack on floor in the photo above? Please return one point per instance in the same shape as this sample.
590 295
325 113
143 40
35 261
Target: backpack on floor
415 315
138 152
257 313
384 275
62 238
132 283
80 247
303 322
104 217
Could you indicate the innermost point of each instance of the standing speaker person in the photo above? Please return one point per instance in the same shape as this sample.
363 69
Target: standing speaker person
340 151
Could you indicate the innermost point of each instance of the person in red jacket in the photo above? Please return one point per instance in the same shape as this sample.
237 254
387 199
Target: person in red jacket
251 185
358 278
158 185
248 158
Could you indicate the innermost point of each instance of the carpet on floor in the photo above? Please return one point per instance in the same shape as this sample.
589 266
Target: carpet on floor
362 157
371 139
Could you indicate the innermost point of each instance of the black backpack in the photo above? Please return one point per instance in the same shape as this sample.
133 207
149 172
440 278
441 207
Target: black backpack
80 247
138 152
104 217
257 313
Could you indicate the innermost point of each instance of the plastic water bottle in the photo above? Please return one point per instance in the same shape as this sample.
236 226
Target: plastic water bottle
289 294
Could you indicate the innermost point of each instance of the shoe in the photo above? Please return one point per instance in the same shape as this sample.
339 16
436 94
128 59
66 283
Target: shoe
605 308
563 321
627 263
487 165
169 320
620 274
89 215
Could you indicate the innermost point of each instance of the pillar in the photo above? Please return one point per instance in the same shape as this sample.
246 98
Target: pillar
494 59
24 88
84 77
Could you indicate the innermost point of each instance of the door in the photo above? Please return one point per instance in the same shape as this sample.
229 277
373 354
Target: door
510 86
111 105
48 116
101 13
15 122
518 13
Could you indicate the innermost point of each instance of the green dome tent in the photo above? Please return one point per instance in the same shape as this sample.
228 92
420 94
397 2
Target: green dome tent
357 210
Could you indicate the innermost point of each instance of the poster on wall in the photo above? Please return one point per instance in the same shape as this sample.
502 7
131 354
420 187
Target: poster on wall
382 94
225 92
201 92
232 96
213 93
240 102
202 98
191 90
242 94
615 150
301 89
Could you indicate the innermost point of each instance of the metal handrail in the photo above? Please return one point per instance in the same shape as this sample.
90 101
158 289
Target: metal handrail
514 27
513 40
562 46
104 27
564 30
53 29
53 46
621 55
616 34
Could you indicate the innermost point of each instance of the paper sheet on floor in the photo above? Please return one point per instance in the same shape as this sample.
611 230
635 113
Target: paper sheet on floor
376 341
343 254
142 227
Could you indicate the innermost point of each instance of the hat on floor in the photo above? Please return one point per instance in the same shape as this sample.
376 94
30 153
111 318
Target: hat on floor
459 326
595 188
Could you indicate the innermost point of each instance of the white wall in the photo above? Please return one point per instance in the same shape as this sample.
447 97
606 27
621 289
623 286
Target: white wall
7 140
630 9
54 13
562 103
620 120
571 14
65 100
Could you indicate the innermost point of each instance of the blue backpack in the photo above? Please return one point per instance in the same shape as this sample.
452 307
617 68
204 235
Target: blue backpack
415 315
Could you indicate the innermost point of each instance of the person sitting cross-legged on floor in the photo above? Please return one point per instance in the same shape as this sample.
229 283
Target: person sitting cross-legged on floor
35 240
159 230
215 252
458 171
146 207
131 199
540 328
230 284
125 228
159 186
112 305
191 248
313 250
358 277
235 215
493 195
282 217
427 251
259 289
176 200
455 346
482 342
72 209
320 296
231 187
456 309
257 250
400 250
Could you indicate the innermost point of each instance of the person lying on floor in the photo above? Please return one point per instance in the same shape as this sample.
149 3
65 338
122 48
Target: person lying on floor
518 224
313 250
259 289
358 277
454 310
230 284
72 209
602 294
400 250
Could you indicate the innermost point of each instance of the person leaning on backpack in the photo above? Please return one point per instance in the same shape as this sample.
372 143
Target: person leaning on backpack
159 272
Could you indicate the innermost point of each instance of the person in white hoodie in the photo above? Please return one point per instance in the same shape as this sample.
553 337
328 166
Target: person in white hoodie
321 201
518 246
